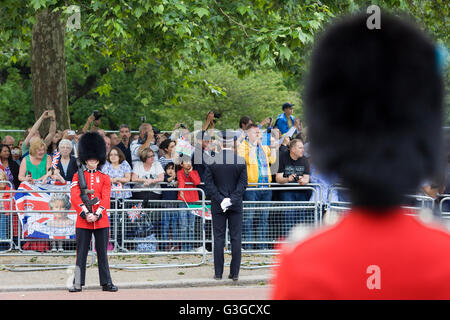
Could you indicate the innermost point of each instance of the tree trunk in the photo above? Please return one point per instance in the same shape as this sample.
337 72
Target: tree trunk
48 69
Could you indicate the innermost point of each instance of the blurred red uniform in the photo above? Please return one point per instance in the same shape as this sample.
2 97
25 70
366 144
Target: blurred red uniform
367 256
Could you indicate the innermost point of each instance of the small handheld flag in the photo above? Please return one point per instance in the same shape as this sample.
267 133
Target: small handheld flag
55 159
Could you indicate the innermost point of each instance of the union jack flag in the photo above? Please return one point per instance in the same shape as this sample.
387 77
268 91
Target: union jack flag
55 159
134 214
44 225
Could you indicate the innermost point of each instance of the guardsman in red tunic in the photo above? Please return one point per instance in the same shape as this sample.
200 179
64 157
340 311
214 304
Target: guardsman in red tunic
373 104
92 212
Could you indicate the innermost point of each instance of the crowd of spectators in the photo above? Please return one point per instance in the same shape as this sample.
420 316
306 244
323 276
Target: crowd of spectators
276 154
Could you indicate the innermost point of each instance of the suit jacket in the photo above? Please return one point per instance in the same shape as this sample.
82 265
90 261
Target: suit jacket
226 177
71 169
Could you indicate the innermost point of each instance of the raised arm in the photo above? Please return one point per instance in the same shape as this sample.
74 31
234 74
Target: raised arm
52 130
35 127
88 123
209 121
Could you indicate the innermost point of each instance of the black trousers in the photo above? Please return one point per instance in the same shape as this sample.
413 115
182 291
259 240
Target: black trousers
146 195
219 222
83 237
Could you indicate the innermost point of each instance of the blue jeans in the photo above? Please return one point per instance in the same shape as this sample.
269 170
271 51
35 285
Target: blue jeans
292 217
262 230
169 219
186 228
4 221
4 228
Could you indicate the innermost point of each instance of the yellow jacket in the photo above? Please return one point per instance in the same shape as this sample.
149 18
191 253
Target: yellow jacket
248 152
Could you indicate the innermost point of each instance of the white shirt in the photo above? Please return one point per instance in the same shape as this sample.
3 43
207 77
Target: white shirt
153 173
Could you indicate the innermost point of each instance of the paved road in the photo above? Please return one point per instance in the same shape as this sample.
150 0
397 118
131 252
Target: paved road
202 293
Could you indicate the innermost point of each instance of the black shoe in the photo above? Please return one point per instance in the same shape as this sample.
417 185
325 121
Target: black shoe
75 288
217 277
110 287
234 278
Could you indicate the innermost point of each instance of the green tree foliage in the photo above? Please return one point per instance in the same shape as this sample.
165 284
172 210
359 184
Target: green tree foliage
15 91
220 89
147 57
164 43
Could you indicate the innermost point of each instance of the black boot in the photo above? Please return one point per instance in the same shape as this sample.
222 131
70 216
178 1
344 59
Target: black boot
75 288
234 278
110 287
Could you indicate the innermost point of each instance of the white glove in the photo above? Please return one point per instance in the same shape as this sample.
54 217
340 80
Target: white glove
225 204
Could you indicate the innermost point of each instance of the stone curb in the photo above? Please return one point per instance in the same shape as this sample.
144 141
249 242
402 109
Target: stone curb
243 281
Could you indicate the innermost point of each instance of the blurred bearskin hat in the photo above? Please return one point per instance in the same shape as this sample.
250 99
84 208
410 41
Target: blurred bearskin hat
374 109
92 146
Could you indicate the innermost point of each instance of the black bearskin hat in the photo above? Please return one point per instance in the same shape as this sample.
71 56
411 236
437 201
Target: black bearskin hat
92 146
374 109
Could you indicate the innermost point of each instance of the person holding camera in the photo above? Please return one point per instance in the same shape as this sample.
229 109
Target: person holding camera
210 120
258 158
93 122
293 167
146 139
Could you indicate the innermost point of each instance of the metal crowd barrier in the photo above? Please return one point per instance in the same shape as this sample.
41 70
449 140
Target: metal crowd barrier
147 239
445 199
336 208
6 221
144 245
18 242
157 228
267 223
444 209
147 235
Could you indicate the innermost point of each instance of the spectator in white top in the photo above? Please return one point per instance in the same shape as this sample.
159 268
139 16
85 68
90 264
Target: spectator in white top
148 173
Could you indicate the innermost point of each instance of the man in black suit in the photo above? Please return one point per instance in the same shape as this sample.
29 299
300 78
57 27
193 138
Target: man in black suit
226 181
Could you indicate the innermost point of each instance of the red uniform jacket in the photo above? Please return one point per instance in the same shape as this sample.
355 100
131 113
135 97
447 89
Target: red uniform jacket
101 184
394 256
189 196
